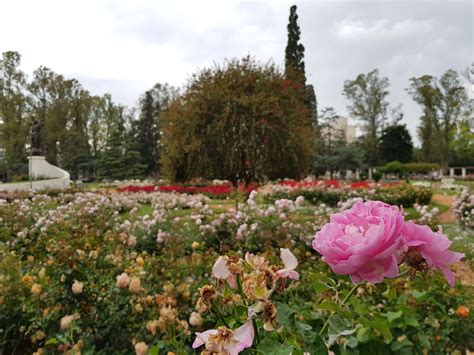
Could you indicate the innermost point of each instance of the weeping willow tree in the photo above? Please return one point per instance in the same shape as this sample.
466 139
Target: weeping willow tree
238 121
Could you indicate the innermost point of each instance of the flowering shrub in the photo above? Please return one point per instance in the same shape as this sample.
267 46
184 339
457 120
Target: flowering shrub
395 194
463 208
427 216
220 189
127 273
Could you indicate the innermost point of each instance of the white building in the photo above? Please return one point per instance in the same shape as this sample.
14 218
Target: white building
350 131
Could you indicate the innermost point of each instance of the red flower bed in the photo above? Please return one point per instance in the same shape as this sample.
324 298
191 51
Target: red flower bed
312 183
216 190
360 185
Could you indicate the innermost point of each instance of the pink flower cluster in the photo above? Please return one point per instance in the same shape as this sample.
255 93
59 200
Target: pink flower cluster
371 240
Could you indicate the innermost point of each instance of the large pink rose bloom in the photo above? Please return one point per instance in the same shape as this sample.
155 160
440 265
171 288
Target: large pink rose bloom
362 242
432 247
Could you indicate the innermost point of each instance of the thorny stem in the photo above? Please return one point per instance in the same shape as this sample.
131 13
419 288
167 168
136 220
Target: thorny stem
254 323
326 324
217 311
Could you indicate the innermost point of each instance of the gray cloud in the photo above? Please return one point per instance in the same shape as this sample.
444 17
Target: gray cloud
125 47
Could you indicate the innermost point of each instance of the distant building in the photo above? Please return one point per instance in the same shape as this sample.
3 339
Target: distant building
342 124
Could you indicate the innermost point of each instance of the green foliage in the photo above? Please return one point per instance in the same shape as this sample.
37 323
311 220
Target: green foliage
238 121
394 167
444 102
333 153
377 175
152 105
402 195
367 95
295 66
396 144
421 167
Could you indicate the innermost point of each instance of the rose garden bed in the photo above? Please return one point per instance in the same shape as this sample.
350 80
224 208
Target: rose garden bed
127 273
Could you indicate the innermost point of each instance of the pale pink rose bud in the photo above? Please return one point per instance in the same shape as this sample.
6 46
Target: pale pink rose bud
123 280
77 287
132 241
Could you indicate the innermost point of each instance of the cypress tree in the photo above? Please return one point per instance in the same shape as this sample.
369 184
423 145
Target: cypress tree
294 52
295 66
148 132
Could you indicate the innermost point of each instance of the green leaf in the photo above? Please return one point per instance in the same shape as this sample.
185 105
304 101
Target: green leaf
271 346
319 286
381 325
411 321
52 341
285 314
419 294
424 341
362 335
339 326
331 306
391 316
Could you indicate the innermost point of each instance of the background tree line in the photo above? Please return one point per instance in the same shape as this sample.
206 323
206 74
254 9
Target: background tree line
242 120
89 136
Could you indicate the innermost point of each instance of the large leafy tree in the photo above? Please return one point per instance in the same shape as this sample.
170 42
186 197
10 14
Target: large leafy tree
295 65
444 103
396 144
238 121
367 95
13 114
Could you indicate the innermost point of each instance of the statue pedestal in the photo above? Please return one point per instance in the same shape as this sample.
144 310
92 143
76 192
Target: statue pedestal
39 168
54 177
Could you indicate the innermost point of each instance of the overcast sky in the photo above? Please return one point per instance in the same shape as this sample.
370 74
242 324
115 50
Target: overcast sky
125 47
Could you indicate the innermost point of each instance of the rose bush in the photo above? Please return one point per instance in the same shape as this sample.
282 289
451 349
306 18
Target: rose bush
124 273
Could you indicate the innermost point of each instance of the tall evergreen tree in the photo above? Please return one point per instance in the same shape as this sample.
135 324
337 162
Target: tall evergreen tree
295 66
396 144
148 132
112 164
133 161
152 105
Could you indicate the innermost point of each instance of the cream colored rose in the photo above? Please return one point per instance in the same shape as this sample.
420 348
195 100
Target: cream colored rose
67 320
135 285
123 280
141 348
36 289
195 319
77 287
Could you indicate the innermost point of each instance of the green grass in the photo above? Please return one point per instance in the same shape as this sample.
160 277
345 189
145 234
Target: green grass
469 184
463 240
145 209
411 213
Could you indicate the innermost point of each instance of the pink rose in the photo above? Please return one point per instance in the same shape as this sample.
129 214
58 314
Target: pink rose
363 242
226 341
427 249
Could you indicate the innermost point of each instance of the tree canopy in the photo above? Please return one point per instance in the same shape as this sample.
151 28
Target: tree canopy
367 95
239 121
396 144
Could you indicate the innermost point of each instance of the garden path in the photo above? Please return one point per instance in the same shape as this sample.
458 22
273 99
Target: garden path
448 216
